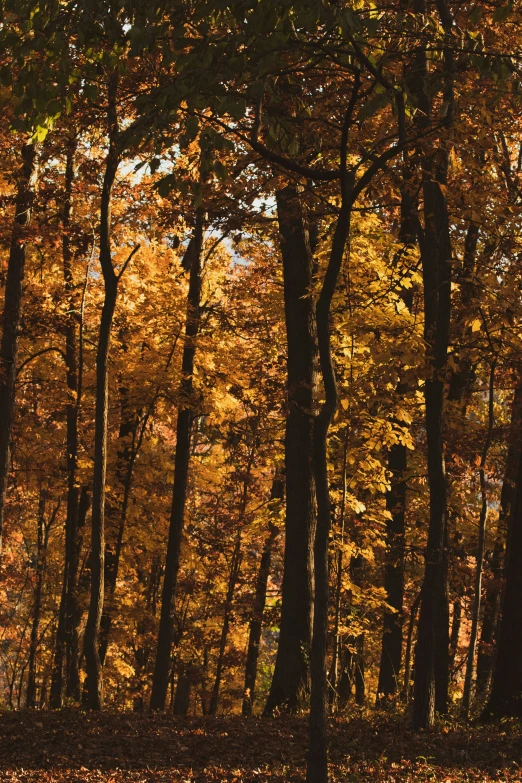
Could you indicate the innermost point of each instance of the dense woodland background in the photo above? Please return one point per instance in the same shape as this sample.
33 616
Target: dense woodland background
260 368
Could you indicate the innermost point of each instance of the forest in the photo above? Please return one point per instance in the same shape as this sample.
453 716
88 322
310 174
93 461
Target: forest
261 390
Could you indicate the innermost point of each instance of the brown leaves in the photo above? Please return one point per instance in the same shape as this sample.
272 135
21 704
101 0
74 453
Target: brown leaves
70 747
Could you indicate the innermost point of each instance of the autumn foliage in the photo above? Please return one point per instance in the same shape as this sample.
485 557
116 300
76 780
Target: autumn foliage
260 390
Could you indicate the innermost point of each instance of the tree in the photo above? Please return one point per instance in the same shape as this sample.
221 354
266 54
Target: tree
12 311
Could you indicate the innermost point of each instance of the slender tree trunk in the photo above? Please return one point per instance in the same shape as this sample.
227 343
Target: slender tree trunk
232 582
256 620
111 279
181 701
73 492
181 466
290 682
359 674
468 681
505 699
117 512
97 560
407 654
391 649
344 688
317 766
436 256
492 599
432 649
442 631
391 652
74 612
42 536
334 670
12 313
455 632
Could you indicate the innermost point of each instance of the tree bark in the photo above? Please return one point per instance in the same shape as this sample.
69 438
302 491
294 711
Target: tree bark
160 680
391 652
405 696
256 620
436 259
290 682
117 512
12 313
432 649
494 585
42 540
317 766
72 413
74 612
391 649
334 670
455 632
468 680
232 582
505 699
110 279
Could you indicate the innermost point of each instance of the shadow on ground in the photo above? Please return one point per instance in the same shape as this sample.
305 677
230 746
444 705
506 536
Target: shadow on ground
70 746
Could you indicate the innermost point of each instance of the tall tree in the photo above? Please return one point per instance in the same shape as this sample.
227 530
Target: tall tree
432 650
74 315
12 311
290 681
192 260
111 279
505 698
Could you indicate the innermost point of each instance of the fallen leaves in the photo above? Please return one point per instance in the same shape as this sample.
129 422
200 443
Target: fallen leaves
71 746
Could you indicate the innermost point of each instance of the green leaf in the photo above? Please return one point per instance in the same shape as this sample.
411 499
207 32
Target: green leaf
40 133
372 106
293 147
475 15
502 13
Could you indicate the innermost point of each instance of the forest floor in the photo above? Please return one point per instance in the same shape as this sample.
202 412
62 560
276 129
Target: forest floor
71 746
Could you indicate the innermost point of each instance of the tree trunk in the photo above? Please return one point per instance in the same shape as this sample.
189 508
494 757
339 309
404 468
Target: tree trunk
433 633
117 511
160 679
455 632
110 279
505 699
493 594
42 536
256 620
290 682
71 363
74 612
391 652
232 581
405 695
183 688
432 649
334 670
317 766
442 634
11 316
391 649
344 688
468 681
